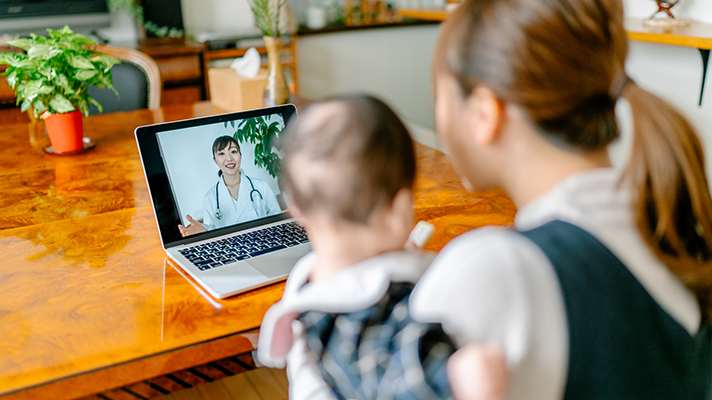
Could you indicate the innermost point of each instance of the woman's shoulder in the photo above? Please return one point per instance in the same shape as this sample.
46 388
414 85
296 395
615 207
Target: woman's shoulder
211 192
486 265
487 248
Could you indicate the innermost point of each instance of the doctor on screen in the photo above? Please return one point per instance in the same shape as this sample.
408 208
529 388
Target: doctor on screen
235 197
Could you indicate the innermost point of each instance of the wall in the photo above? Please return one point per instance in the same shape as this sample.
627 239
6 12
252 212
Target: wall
699 10
216 15
392 63
673 72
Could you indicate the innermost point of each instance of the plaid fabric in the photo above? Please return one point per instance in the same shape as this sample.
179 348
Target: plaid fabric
380 353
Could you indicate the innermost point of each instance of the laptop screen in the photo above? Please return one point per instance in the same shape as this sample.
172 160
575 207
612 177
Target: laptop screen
221 173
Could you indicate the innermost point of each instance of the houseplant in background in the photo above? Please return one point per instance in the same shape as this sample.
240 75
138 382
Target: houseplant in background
52 77
136 11
267 18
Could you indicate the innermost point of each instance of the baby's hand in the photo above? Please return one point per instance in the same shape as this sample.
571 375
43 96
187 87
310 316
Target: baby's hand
478 372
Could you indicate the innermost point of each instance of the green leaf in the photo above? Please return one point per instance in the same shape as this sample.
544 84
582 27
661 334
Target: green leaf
97 104
85 74
46 71
81 40
32 89
83 106
63 83
54 52
22 43
27 64
69 46
12 79
25 105
60 104
46 89
81 63
39 51
39 106
8 58
106 62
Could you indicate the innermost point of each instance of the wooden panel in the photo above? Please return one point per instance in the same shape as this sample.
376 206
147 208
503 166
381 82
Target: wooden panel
12 115
180 68
181 95
697 35
7 95
426 14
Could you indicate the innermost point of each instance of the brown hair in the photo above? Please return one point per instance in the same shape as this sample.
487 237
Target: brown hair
348 156
562 63
224 141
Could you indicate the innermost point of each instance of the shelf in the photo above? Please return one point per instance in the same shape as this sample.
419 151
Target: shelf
426 14
697 35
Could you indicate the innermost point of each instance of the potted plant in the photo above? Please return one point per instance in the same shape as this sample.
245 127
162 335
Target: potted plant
263 134
52 77
267 15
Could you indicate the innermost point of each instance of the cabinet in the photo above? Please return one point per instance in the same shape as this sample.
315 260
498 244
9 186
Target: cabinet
181 65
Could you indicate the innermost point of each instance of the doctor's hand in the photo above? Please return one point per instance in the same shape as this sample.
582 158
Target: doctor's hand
192 229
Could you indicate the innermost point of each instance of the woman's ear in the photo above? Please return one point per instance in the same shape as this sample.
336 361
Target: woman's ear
487 115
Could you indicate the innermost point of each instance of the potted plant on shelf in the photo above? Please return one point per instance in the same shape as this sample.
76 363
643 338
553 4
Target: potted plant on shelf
267 16
52 77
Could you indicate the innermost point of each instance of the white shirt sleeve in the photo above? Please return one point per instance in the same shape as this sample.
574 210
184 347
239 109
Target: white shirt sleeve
305 380
495 286
271 201
209 209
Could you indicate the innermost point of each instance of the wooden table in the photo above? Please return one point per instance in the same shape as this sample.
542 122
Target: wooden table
88 300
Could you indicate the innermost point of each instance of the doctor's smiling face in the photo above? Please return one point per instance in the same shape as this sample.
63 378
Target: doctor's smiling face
227 156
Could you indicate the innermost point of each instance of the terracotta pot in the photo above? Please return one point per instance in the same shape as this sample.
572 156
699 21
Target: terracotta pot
276 91
65 131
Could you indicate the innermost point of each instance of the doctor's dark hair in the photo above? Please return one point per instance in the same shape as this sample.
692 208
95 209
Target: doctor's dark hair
561 62
222 142
347 156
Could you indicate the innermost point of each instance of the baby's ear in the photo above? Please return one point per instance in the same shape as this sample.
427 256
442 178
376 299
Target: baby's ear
403 202
296 213
402 212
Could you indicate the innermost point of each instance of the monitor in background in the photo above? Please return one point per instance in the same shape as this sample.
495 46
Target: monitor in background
22 17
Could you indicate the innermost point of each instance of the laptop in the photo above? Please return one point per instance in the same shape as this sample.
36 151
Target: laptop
232 245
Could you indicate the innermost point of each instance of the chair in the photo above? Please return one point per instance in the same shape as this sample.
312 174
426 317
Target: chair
137 79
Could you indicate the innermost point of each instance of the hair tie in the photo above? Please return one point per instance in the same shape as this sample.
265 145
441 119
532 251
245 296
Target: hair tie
619 85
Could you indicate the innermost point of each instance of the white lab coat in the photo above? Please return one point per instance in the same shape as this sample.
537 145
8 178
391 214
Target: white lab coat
241 210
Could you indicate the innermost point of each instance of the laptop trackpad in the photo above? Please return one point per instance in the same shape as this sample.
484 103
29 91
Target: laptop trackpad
280 262
232 277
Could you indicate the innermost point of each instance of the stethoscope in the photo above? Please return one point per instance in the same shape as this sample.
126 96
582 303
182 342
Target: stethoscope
218 213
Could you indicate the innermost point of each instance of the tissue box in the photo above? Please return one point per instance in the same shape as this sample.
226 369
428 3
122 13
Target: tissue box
233 92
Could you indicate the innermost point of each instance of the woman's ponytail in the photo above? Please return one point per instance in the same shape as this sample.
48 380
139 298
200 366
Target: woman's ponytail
671 203
561 62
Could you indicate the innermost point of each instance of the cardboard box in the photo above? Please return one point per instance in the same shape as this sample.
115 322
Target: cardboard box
233 92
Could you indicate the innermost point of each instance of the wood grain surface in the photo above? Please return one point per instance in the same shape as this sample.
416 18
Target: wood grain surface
89 301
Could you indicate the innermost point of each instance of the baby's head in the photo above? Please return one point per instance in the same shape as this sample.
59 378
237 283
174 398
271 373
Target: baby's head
347 159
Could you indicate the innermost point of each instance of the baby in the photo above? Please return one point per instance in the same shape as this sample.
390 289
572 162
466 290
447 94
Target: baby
343 327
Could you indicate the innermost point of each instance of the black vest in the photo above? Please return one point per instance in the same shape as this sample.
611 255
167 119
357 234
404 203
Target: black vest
622 344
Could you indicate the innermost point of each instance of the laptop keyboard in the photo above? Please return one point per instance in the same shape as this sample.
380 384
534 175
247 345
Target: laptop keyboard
246 245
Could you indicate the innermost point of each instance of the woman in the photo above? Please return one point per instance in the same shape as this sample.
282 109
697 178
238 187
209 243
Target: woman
235 197
612 301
